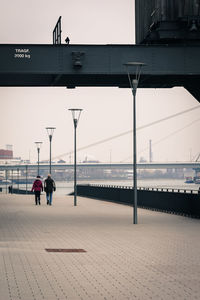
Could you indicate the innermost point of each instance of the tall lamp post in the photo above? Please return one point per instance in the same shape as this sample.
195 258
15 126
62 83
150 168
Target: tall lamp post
76 112
38 145
6 171
18 179
26 179
12 182
134 84
50 131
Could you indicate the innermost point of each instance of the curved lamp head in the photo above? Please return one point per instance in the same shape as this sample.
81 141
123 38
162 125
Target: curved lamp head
76 112
137 71
38 145
50 131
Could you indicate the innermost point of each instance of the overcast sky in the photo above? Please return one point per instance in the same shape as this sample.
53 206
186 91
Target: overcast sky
25 112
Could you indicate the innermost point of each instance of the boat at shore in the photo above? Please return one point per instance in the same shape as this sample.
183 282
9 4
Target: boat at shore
197 179
17 181
5 181
189 179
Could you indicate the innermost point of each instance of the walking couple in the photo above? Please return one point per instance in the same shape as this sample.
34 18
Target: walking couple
49 188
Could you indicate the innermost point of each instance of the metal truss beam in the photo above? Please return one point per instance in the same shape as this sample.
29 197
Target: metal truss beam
100 65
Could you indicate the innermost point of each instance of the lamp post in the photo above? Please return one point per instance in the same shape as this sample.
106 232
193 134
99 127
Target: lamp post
27 178
134 84
38 145
76 112
50 131
12 181
6 171
18 179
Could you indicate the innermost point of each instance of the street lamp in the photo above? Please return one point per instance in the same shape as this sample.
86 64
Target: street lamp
50 131
27 178
76 112
134 84
38 145
18 179
12 181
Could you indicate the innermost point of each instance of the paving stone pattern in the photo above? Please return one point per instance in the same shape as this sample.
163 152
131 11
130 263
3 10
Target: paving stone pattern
159 258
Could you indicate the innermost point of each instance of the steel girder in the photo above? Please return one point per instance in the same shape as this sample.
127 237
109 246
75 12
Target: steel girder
100 65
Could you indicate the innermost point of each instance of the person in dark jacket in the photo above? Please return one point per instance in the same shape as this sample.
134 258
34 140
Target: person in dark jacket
37 188
49 188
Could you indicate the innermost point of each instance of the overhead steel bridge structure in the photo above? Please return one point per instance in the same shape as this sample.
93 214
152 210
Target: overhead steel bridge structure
167 41
73 66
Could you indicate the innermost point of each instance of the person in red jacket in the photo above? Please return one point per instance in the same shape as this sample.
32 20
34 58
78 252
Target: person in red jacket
37 188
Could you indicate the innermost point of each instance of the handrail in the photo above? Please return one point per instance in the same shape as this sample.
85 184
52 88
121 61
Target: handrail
152 189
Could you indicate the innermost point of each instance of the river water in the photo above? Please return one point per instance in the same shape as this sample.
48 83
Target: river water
64 188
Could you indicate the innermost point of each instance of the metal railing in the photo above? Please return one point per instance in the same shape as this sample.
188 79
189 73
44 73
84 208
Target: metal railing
153 189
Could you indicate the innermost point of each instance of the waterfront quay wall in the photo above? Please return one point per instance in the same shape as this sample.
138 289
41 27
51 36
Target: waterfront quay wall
184 202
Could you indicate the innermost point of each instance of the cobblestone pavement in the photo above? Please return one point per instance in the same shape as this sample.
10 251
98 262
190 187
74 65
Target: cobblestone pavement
157 259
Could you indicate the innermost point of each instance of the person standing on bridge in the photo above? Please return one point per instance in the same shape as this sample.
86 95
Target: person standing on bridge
37 188
49 188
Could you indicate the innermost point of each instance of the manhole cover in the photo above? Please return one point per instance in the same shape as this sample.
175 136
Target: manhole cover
65 250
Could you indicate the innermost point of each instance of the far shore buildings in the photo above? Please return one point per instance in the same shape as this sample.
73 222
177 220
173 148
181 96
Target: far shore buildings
6 153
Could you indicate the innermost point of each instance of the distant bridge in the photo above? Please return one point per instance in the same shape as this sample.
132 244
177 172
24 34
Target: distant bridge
64 166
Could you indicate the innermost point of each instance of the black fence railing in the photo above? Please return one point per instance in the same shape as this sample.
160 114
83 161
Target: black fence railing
21 192
178 201
177 190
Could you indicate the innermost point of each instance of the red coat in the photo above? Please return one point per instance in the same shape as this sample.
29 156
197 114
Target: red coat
37 186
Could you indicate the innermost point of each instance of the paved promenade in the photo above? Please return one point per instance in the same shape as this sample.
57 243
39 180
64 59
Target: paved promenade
157 259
